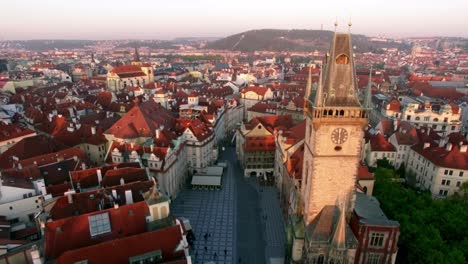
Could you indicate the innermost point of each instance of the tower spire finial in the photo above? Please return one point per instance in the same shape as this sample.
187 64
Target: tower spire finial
368 98
336 23
349 25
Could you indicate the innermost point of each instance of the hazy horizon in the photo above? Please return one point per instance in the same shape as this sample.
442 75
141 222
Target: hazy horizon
142 19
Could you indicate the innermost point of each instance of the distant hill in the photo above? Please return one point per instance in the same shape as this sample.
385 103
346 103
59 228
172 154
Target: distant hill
293 40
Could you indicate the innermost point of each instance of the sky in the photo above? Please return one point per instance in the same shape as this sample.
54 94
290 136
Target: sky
167 19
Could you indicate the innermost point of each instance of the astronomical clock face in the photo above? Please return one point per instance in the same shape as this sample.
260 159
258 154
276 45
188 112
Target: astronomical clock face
339 135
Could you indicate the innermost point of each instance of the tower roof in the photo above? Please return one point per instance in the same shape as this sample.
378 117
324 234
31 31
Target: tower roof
136 55
339 80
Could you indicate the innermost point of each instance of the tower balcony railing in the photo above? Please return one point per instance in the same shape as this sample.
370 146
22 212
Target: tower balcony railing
331 113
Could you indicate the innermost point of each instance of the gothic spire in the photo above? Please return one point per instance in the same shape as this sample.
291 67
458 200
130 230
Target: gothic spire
136 55
319 94
368 98
339 82
309 83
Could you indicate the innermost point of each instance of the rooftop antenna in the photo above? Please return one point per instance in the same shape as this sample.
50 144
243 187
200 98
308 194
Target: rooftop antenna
336 23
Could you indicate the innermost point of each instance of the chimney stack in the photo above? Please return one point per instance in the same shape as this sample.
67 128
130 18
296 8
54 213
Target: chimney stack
463 148
426 145
157 133
152 148
99 175
69 195
128 197
122 181
93 130
448 147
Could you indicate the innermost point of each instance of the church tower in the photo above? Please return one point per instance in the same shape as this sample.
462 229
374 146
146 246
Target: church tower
334 130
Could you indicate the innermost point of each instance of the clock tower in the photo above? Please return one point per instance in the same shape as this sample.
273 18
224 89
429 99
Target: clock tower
335 120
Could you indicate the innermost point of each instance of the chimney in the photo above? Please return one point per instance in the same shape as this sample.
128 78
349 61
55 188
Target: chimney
426 145
157 132
152 148
122 181
463 148
114 193
132 145
93 130
128 197
99 176
116 206
83 166
428 131
448 147
69 195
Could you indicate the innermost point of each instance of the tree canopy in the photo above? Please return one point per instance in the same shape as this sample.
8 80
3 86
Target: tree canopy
431 230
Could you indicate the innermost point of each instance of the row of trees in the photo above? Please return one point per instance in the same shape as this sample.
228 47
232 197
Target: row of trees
432 230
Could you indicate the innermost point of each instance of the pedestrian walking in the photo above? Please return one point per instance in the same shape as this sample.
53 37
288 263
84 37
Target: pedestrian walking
206 248
215 255
225 252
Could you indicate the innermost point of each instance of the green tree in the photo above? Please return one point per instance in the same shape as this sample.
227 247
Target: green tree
431 230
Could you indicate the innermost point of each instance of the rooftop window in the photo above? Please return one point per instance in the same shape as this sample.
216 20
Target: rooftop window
99 224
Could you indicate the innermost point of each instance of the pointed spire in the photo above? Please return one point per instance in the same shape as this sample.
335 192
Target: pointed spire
368 98
339 237
309 83
319 93
336 24
92 57
136 55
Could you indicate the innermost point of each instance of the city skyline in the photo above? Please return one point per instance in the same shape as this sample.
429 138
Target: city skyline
102 20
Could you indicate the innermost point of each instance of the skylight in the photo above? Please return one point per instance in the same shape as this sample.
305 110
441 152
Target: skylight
99 224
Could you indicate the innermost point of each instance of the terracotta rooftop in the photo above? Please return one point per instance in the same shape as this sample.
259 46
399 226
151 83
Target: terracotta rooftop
10 131
120 250
379 143
454 158
74 232
142 121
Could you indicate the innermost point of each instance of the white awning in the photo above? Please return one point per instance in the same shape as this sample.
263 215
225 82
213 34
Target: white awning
206 180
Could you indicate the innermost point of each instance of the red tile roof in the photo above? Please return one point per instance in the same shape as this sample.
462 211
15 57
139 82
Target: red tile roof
296 133
112 177
364 173
29 147
444 158
120 250
21 178
394 105
262 107
142 121
256 89
126 69
74 232
295 162
50 158
10 131
200 129
278 122
379 143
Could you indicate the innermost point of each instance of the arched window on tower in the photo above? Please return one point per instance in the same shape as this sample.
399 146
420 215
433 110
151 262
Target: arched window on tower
342 59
